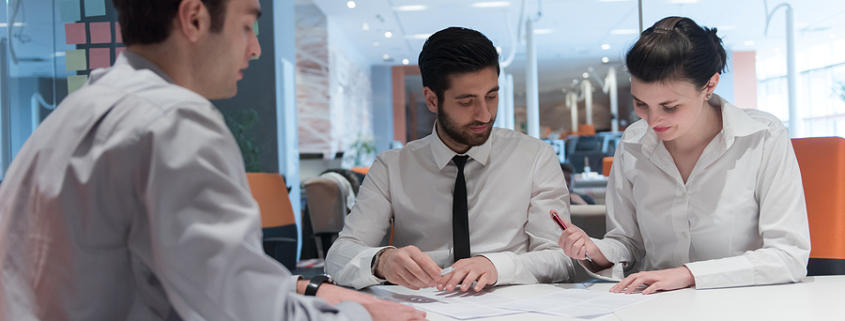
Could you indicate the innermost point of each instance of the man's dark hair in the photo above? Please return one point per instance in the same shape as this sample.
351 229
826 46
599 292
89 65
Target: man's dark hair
566 167
451 51
677 48
146 22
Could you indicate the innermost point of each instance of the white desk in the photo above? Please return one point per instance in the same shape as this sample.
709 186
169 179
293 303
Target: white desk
819 298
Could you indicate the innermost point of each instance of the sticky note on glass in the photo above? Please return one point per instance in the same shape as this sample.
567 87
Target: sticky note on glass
118 51
118 38
100 32
99 58
75 33
75 82
70 11
75 60
95 8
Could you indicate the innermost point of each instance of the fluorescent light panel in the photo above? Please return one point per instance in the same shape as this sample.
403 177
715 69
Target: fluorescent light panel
413 7
491 4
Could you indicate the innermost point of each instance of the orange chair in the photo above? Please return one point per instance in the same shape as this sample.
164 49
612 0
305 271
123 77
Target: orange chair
586 130
277 219
605 166
360 170
822 163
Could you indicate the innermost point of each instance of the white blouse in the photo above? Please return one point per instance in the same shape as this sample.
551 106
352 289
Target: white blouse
739 220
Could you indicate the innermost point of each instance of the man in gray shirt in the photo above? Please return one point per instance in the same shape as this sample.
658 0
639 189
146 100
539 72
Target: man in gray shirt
130 201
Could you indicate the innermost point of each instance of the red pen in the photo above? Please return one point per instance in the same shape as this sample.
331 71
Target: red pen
563 227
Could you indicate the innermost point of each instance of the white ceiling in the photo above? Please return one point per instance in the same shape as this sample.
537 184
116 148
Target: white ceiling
570 33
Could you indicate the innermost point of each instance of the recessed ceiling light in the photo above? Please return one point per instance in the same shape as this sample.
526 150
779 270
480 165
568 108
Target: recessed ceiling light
405 61
605 59
365 26
542 31
605 47
421 36
748 43
351 4
388 34
415 7
385 57
623 32
491 4
585 75
375 44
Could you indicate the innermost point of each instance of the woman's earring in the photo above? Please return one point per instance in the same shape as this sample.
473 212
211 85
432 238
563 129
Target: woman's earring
708 96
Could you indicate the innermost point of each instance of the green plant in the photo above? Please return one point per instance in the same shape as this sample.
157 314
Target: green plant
840 91
241 124
362 152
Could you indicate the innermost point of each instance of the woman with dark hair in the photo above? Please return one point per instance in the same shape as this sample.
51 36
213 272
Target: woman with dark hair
701 193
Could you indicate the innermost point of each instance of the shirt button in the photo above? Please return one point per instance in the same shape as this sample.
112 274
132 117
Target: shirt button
685 235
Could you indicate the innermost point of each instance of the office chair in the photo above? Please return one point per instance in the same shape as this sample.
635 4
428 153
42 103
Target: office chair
278 222
822 163
327 210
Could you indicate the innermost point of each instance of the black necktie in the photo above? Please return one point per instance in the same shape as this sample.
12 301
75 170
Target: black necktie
460 220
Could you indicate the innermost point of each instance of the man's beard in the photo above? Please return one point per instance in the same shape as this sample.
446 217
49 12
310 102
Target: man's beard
462 134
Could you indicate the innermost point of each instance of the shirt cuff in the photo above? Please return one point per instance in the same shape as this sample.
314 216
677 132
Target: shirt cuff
363 263
293 280
719 273
354 310
505 267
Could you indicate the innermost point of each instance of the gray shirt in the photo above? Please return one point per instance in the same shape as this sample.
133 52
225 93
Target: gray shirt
130 202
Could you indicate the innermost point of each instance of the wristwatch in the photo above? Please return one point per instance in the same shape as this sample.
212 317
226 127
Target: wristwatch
316 282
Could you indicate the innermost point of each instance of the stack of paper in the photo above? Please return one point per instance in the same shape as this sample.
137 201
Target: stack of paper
578 303
454 304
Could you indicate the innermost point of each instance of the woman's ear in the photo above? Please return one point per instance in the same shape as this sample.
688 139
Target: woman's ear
711 85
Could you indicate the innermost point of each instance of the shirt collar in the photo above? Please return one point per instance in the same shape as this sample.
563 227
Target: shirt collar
735 123
443 154
138 63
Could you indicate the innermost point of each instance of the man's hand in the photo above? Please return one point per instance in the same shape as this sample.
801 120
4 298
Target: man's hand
408 267
477 269
669 279
382 310
577 244
334 294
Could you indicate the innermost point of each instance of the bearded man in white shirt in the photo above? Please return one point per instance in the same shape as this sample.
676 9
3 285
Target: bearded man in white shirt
130 201
469 196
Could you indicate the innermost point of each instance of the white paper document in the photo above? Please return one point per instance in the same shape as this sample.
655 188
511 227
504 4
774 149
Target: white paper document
454 304
578 303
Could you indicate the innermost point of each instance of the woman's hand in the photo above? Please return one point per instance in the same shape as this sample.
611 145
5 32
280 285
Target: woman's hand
669 279
577 244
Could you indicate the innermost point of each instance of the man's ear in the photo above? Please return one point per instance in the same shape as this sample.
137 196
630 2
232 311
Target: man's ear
430 99
192 19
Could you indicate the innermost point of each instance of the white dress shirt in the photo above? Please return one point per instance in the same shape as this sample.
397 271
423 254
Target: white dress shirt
740 219
130 202
512 182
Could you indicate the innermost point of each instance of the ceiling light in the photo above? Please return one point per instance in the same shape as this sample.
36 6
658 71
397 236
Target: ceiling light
415 7
748 43
491 4
375 44
421 36
499 50
405 61
365 26
605 59
542 31
388 34
585 75
385 57
623 32
351 4
605 47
